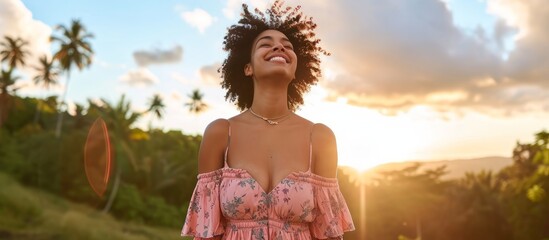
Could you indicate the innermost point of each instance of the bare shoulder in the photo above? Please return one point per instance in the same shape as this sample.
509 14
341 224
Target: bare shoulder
323 132
324 151
212 147
301 121
217 127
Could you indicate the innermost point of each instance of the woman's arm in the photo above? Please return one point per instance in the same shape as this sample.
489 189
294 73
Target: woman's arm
324 151
212 151
212 147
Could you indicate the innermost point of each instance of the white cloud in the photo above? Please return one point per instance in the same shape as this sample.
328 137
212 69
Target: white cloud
158 56
139 77
198 18
16 21
233 7
394 55
527 63
209 74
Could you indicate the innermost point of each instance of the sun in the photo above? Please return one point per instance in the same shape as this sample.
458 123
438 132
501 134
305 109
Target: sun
366 138
370 139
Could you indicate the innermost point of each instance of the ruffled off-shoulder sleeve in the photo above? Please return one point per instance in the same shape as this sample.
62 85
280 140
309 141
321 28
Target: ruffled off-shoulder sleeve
204 218
332 214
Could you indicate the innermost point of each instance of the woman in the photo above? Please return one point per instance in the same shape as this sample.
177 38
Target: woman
268 173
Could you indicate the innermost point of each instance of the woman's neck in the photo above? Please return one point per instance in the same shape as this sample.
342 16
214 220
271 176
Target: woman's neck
270 102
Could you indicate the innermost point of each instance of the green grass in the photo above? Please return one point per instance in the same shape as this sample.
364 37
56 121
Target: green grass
27 213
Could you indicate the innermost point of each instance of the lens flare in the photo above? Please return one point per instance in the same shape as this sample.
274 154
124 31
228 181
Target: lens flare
97 157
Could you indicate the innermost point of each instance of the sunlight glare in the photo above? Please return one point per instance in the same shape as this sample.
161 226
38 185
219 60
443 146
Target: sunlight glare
368 138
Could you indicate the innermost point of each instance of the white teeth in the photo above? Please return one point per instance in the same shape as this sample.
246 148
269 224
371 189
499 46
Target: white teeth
277 59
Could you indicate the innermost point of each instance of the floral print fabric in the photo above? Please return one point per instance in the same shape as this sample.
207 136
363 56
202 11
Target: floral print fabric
303 205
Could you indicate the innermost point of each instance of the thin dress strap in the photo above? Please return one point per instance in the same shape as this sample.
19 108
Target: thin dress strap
225 165
311 147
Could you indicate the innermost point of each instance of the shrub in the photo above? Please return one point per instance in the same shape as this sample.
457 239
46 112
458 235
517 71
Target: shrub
158 212
128 204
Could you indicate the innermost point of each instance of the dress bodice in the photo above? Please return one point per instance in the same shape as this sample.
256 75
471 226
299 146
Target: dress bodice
230 202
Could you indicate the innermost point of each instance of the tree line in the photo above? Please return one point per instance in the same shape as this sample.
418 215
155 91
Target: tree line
410 204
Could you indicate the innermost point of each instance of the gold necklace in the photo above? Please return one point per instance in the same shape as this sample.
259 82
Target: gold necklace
270 121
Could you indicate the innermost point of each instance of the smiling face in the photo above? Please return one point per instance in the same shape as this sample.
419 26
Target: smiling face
272 56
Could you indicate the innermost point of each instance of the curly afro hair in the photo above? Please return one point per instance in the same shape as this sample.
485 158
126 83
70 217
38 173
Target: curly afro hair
239 40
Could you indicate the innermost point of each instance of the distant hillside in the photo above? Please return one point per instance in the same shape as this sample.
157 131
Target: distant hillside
456 168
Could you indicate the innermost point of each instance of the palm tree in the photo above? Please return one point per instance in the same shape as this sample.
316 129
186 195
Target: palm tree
119 120
196 105
6 80
79 117
75 50
476 206
47 75
156 106
13 51
163 173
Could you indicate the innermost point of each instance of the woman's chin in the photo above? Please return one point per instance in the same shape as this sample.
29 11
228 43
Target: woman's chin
277 74
276 79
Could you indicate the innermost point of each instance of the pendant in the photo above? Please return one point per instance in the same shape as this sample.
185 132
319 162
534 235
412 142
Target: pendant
271 122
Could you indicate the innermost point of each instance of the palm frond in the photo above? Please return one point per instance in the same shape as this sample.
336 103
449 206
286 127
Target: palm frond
196 104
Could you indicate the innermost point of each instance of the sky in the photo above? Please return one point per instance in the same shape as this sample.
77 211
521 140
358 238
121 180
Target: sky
406 80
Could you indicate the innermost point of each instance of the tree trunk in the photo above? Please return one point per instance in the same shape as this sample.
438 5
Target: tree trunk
60 111
37 112
5 106
114 191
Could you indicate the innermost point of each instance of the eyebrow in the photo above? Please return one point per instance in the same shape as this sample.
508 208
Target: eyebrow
271 38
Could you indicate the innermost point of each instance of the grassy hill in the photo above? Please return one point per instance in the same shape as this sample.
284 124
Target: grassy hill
27 213
456 168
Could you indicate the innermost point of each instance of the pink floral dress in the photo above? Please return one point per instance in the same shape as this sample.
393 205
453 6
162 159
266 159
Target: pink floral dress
230 202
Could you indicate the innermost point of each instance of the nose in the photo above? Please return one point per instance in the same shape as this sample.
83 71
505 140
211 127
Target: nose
278 46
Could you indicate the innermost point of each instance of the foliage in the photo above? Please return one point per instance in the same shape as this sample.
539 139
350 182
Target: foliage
13 51
413 204
477 212
48 73
524 186
29 213
165 161
74 49
129 204
196 104
11 160
158 212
